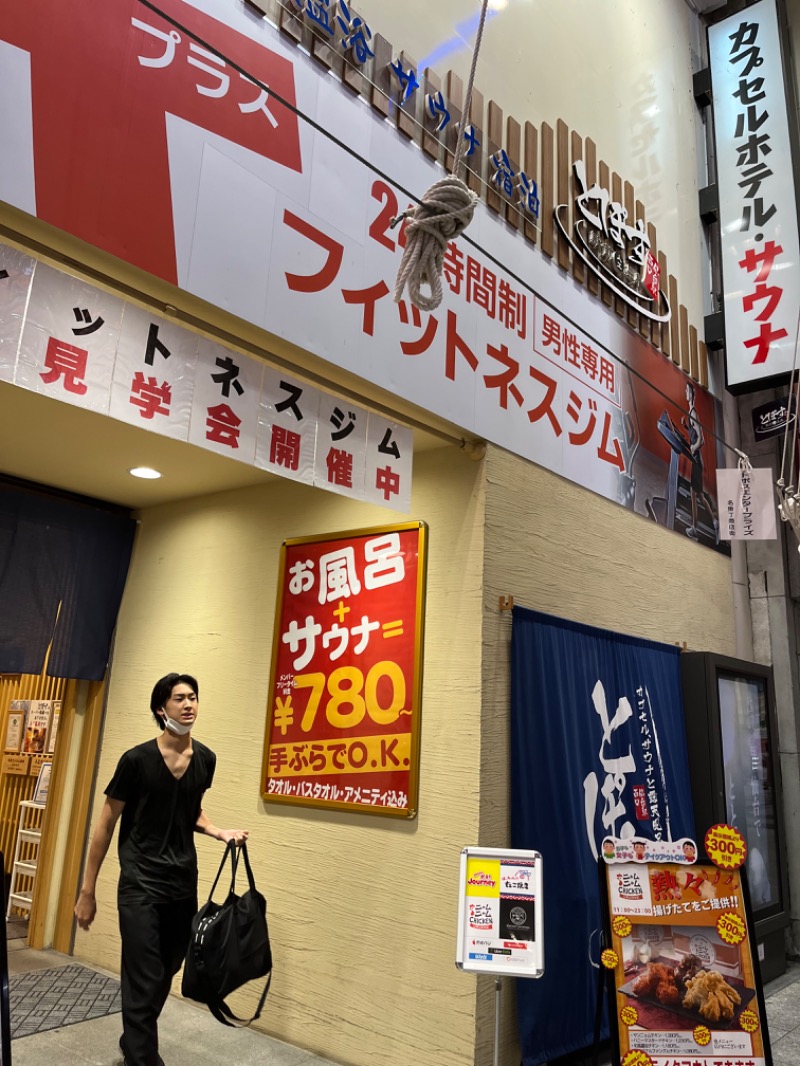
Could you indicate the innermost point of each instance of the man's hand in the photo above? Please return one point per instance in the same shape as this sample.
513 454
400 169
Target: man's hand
85 909
238 836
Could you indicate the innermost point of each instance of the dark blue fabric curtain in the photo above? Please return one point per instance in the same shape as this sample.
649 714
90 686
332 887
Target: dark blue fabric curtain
598 748
58 551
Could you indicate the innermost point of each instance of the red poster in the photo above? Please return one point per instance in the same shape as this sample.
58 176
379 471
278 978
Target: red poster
344 707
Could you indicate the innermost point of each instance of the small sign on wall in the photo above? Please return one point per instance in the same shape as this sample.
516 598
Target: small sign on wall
16 764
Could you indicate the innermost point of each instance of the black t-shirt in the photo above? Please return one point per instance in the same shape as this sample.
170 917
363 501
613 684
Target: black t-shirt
156 838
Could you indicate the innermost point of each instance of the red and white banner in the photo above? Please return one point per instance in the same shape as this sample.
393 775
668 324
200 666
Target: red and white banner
194 173
344 704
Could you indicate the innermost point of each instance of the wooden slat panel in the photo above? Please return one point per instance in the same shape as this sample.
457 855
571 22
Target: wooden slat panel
675 328
494 137
514 149
620 307
475 162
382 76
562 189
590 160
579 271
686 356
666 340
294 26
694 353
702 370
532 171
454 91
628 202
604 179
431 141
548 201
353 75
655 330
324 50
407 119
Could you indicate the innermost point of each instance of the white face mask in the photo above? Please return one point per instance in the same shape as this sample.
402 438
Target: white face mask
178 728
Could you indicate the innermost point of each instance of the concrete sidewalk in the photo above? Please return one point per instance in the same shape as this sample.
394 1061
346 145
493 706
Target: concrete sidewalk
188 1034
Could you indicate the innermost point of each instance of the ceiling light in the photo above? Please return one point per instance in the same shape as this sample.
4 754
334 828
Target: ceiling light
145 472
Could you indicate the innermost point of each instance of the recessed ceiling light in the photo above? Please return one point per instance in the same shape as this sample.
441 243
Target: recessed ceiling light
145 472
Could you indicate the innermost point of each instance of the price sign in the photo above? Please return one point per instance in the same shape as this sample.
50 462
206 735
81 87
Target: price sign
726 847
344 704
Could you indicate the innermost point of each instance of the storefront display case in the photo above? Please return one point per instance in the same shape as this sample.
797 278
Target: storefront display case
731 732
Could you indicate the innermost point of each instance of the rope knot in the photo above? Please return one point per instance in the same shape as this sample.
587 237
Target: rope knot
443 214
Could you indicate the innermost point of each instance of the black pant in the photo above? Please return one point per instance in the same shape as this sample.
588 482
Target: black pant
155 936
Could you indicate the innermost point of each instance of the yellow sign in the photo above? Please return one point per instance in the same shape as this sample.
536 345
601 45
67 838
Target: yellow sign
731 928
483 877
702 1035
748 1021
637 1058
609 959
726 847
621 926
629 1015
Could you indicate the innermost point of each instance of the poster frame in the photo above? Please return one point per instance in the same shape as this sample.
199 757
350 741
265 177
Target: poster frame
606 976
407 813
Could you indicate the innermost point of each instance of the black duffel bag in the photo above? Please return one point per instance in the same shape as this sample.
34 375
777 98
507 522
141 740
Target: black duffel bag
229 944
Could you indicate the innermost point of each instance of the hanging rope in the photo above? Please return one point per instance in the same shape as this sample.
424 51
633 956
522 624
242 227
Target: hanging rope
443 214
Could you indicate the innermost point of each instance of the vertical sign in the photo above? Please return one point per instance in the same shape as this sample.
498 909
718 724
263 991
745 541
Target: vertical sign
757 206
343 719
500 915
684 983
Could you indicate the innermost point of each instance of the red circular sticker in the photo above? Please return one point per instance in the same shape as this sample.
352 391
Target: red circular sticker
726 847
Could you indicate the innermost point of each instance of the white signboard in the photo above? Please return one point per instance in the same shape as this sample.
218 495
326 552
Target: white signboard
746 504
500 913
757 207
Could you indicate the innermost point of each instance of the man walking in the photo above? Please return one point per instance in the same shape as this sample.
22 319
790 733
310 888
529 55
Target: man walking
157 791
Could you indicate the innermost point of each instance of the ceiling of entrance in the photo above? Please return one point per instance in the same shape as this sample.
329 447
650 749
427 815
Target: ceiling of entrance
55 444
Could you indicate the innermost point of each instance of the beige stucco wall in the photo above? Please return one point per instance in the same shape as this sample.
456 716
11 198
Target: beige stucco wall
362 908
559 549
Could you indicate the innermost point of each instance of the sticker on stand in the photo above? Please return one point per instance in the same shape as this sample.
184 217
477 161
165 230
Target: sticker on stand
702 1035
629 1016
640 849
748 1020
609 959
731 928
726 847
622 926
637 1058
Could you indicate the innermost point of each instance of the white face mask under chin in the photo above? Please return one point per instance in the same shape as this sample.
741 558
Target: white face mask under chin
178 728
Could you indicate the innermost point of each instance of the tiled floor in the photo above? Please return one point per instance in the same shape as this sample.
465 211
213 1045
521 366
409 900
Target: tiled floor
189 1035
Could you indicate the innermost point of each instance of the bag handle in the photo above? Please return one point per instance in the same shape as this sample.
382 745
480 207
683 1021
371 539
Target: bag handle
223 1013
230 850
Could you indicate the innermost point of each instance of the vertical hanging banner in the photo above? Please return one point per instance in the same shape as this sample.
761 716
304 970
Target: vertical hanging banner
343 719
683 980
598 751
747 503
757 207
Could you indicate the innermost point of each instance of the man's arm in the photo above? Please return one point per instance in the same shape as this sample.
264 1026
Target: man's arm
204 825
86 907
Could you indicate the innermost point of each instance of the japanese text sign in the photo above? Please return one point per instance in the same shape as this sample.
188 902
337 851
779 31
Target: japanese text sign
343 721
682 976
66 339
757 210
746 503
500 913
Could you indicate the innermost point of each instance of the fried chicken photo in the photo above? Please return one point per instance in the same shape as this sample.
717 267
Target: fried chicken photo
657 982
710 995
689 967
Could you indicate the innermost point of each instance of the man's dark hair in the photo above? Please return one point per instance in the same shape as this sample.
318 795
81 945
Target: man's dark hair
162 690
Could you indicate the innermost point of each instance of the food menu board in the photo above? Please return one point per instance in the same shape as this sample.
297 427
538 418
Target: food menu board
680 959
500 915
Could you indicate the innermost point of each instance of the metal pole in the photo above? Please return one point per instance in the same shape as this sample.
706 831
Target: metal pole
497 998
